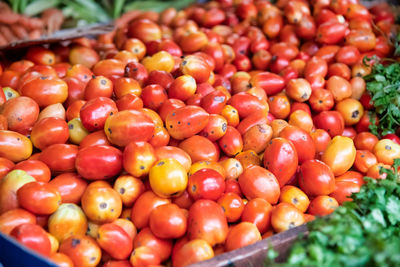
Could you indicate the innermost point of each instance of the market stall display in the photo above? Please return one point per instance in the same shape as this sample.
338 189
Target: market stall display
192 135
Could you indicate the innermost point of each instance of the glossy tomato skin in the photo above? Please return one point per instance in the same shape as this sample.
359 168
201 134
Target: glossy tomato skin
206 184
143 207
21 113
68 220
270 82
39 197
82 250
191 252
322 205
301 140
344 190
6 165
258 211
128 125
331 121
9 186
316 178
115 241
90 158
70 186
232 204
46 90
257 182
200 148
242 234
95 112
207 221
138 158
280 157
14 146
60 157
33 236
286 216
49 131
101 204
35 168
186 121
161 247
231 143
339 155
168 221
12 218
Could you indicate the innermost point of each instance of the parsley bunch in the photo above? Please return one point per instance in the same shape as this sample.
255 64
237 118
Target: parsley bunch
365 232
383 84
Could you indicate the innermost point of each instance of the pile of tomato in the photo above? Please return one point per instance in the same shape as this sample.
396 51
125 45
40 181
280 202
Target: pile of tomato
186 134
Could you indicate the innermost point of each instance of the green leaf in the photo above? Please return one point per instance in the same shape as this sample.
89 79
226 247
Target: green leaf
38 6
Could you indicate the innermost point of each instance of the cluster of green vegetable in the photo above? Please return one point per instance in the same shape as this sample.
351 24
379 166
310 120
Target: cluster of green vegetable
383 84
365 232
91 11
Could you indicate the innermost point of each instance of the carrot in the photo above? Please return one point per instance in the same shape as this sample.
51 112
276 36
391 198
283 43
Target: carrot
19 31
35 34
9 18
7 33
30 23
3 40
126 18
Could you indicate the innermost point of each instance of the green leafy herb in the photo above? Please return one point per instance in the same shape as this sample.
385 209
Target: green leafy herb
383 84
365 232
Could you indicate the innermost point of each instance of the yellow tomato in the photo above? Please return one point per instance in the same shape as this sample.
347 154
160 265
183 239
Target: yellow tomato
340 154
386 151
159 61
168 178
295 196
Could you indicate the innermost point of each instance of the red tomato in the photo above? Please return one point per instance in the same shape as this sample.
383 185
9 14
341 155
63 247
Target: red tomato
233 206
70 186
101 204
82 250
231 143
207 221
90 158
161 247
6 165
21 113
186 121
301 140
168 221
242 234
322 205
206 184
258 211
316 178
344 190
191 252
13 218
270 82
331 121
35 168
114 240
280 157
39 197
60 157
96 111
200 148
33 236
127 126
49 131
143 207
257 182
